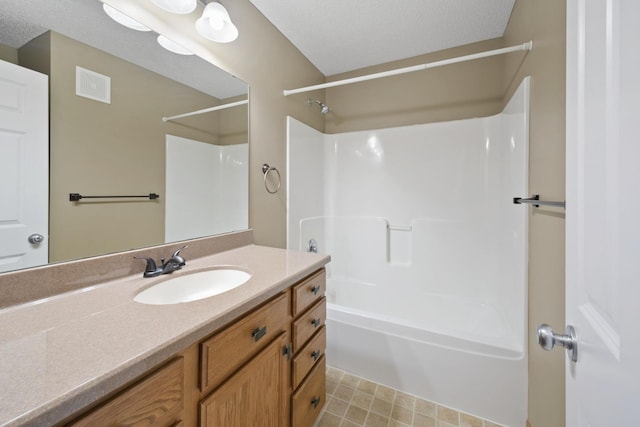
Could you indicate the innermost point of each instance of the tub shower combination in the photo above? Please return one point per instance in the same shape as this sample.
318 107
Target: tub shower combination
427 285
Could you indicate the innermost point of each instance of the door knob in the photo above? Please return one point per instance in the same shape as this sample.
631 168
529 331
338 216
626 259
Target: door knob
35 238
548 339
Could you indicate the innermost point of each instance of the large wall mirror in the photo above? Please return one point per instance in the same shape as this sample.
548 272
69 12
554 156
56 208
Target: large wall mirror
107 136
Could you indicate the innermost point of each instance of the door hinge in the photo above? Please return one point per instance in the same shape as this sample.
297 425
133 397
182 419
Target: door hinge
287 350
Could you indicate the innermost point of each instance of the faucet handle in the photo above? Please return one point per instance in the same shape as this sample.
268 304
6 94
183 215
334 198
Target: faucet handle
177 253
177 258
152 269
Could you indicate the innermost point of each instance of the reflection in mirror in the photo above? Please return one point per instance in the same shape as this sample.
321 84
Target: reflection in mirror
109 89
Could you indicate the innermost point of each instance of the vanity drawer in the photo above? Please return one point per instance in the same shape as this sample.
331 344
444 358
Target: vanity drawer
309 291
156 400
307 324
308 356
307 402
225 352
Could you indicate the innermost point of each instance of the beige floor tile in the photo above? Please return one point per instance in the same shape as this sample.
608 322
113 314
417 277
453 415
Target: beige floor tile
355 414
381 407
328 420
355 402
376 420
405 400
334 374
448 415
420 420
362 399
467 420
385 393
425 407
401 414
344 392
367 386
394 423
337 406
331 385
350 380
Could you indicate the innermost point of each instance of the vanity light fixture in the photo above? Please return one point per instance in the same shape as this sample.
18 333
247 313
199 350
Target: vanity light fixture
177 6
172 46
123 19
215 24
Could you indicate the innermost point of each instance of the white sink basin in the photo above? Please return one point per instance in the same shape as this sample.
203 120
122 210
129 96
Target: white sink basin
193 287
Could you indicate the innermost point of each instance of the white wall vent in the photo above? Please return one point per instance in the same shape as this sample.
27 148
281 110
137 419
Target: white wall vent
92 85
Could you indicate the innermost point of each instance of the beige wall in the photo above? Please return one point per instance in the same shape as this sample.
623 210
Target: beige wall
470 89
8 54
111 149
544 22
234 123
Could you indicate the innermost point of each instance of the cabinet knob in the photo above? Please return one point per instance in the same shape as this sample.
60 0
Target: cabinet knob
315 401
315 322
315 355
315 289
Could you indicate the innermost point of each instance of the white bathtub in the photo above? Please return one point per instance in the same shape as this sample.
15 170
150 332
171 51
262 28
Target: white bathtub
452 367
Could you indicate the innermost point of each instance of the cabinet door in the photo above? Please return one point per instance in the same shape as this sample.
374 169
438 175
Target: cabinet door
224 353
257 395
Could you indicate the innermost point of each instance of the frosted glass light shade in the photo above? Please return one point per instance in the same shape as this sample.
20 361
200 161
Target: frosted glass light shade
172 46
123 19
215 24
177 6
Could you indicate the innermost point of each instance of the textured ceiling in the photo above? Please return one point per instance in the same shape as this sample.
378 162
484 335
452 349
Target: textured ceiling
84 20
344 35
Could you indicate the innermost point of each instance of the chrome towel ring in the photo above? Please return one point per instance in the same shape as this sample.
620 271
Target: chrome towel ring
266 169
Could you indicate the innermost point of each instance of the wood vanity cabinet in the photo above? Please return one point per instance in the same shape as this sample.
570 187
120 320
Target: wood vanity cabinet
276 379
246 369
265 369
308 332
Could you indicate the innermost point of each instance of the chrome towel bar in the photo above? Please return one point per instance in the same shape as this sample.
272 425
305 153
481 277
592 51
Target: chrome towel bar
535 201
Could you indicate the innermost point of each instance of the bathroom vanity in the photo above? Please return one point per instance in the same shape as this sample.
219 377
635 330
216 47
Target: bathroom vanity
250 356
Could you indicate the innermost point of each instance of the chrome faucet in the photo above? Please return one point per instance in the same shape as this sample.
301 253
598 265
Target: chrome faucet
176 262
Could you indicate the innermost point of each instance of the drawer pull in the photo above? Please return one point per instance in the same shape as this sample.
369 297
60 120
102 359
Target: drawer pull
316 355
315 289
259 333
316 322
315 401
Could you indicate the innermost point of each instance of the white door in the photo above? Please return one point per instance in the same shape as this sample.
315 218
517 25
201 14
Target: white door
24 167
603 211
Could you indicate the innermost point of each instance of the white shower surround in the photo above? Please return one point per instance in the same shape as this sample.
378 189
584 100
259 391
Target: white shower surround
212 181
428 279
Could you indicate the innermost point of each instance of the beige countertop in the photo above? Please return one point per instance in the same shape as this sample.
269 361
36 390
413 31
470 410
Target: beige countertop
61 353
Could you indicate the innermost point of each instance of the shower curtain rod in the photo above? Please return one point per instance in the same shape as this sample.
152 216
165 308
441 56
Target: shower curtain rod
207 110
525 46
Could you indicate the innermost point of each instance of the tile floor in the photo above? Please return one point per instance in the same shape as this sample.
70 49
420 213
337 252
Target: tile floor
353 401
